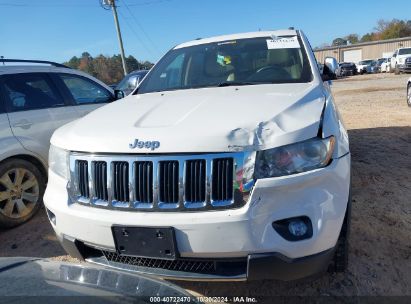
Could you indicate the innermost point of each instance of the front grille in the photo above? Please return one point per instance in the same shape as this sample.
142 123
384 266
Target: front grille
167 183
203 266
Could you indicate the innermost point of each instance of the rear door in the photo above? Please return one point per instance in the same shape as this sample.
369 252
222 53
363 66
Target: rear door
85 94
7 140
35 109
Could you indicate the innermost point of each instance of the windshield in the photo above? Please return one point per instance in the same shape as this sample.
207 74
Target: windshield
236 62
406 51
366 62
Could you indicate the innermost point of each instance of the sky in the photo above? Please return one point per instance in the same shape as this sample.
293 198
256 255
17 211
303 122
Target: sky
57 30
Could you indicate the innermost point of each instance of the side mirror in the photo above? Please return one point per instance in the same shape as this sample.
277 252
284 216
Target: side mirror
330 69
118 94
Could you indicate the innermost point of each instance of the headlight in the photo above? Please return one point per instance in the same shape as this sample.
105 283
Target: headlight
295 158
58 161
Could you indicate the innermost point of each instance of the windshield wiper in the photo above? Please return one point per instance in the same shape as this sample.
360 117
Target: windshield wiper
234 83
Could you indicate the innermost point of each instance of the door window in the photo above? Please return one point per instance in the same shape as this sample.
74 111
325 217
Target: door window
85 91
30 91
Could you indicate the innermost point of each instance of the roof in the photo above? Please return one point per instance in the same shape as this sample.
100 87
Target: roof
362 44
11 69
16 69
237 36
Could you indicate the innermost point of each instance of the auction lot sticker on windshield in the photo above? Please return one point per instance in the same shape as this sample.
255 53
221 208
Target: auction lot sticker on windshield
283 43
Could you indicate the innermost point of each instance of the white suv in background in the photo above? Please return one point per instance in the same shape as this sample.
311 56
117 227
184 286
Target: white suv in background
398 60
36 97
364 66
228 162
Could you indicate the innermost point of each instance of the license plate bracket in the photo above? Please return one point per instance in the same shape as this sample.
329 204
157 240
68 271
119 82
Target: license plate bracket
147 242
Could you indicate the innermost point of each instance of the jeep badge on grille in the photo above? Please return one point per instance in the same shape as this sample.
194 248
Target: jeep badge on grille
144 144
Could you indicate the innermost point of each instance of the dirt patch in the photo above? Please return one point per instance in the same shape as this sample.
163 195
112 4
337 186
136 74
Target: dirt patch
368 90
380 245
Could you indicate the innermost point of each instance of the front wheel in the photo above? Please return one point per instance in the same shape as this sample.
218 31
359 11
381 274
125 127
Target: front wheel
397 70
340 261
21 192
409 94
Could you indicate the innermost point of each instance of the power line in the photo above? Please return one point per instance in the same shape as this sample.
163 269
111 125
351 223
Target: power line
135 33
149 2
44 5
141 28
31 4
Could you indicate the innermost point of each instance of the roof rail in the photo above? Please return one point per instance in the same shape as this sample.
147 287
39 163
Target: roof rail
59 65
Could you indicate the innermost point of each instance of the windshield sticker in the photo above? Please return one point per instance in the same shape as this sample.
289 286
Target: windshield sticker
223 60
283 43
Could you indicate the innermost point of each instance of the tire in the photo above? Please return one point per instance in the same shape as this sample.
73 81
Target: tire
21 192
340 260
409 94
397 70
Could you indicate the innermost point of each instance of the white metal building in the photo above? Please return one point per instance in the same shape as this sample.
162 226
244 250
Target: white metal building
362 51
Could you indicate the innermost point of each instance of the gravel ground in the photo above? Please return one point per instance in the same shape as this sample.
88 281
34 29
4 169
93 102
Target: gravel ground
374 110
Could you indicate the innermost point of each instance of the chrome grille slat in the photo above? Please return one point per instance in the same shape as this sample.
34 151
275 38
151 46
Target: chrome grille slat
222 187
169 184
121 190
99 181
160 183
82 171
195 181
144 182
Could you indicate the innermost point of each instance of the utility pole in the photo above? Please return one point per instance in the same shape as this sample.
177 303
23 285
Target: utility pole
112 4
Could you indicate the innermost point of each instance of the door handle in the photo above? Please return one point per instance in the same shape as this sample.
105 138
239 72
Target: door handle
24 124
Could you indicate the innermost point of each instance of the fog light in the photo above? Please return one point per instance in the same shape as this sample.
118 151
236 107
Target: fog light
294 228
297 228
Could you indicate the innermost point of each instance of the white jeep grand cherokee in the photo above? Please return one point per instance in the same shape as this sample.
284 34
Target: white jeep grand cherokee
228 162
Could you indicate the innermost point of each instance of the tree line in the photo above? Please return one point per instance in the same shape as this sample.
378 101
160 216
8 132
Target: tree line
107 69
385 29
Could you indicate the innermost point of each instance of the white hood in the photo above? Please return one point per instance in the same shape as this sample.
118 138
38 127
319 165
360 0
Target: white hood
200 120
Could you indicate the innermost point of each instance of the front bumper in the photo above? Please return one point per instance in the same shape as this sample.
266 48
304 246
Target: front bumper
260 266
405 67
245 233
